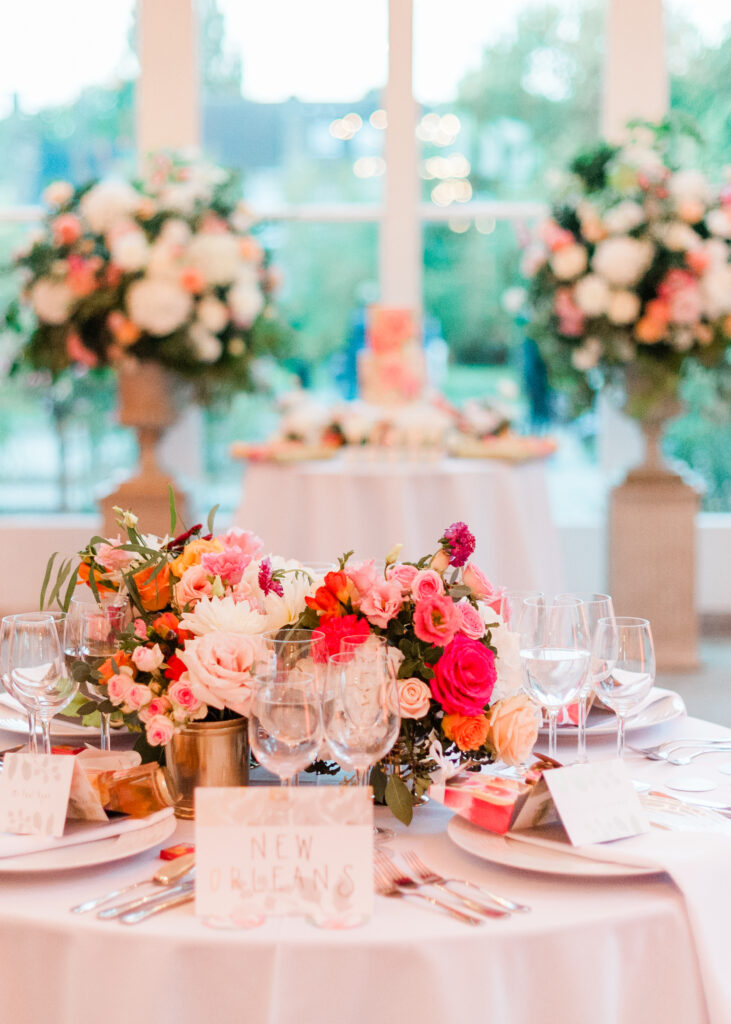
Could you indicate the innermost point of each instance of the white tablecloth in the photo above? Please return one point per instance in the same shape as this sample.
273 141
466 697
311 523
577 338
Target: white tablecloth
591 952
318 510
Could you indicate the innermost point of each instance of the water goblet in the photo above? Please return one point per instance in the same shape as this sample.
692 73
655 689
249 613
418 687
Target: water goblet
285 724
623 665
554 653
512 606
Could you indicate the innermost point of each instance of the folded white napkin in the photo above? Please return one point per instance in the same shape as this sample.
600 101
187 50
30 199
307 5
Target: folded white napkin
698 862
76 833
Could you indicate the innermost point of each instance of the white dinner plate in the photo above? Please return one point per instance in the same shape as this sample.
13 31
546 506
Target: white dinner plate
661 706
99 851
513 853
14 720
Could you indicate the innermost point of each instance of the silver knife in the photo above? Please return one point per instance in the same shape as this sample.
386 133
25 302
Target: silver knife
166 874
134 916
143 901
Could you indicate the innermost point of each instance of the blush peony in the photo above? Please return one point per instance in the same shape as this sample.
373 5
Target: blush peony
464 677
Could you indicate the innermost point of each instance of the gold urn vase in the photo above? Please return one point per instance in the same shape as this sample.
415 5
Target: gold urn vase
206 754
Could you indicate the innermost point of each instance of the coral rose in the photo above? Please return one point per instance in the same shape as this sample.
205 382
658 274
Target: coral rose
413 697
219 668
155 591
192 554
382 603
469 732
436 620
426 583
514 724
464 677
194 584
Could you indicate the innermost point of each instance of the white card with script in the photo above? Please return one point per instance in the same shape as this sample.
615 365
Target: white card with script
269 850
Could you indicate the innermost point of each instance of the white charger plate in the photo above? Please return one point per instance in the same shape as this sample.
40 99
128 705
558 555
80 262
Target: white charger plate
662 706
513 853
98 851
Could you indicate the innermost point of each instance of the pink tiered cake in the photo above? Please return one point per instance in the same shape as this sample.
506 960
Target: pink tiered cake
392 368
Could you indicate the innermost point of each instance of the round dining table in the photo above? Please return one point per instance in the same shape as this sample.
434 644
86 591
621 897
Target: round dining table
368 501
614 950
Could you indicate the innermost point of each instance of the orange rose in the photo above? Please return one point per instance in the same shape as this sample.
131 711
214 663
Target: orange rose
166 623
107 669
467 731
650 331
514 724
85 572
154 593
192 554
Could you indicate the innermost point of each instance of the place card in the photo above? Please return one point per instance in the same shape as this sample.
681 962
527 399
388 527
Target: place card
596 802
271 851
34 793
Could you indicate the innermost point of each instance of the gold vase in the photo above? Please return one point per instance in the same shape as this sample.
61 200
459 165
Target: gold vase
206 754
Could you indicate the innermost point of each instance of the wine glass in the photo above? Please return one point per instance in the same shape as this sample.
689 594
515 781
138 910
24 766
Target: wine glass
6 628
361 713
90 635
36 669
623 664
363 645
595 607
285 725
554 652
289 648
512 606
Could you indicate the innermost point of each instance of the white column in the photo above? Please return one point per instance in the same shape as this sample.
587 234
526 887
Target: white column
400 237
168 100
635 69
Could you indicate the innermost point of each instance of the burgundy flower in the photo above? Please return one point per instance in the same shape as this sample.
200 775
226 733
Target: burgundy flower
267 582
459 542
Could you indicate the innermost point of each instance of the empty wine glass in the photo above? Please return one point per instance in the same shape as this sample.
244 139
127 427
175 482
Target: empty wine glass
594 607
623 665
512 606
285 725
90 635
36 669
554 652
6 627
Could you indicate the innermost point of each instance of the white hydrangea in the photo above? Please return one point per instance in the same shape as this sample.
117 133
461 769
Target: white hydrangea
175 232
130 250
624 217
715 289
677 236
206 346
163 260
591 294
246 301
106 203
718 223
623 308
52 300
587 356
690 186
212 313
569 261
622 261
216 255
158 306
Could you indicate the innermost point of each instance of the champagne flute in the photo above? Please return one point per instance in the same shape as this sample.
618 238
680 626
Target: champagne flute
623 658
595 607
285 725
36 669
554 652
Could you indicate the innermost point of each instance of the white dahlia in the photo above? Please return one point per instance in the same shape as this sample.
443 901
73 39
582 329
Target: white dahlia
158 306
215 255
106 203
130 250
223 614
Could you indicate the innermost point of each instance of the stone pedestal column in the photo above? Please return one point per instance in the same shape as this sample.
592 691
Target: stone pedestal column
652 555
149 399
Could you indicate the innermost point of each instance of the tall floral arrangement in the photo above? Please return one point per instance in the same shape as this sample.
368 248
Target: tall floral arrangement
160 269
630 276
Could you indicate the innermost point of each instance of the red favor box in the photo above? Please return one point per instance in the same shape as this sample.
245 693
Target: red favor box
490 801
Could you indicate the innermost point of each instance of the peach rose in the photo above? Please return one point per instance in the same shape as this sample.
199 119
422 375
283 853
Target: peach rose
440 561
474 578
195 583
159 730
219 668
192 554
413 698
147 659
469 732
426 583
111 556
514 724
472 624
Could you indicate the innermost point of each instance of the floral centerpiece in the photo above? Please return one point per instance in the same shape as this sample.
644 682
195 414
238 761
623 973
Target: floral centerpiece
458 668
161 270
630 278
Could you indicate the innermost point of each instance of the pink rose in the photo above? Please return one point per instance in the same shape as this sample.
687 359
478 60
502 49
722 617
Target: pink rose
219 668
474 578
363 576
472 624
137 696
157 706
228 564
182 693
118 687
414 697
403 574
112 558
426 583
514 724
436 620
382 603
141 629
245 540
464 677
194 584
159 730
147 659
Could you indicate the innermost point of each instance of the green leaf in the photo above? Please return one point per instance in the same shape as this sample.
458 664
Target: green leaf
211 518
399 800
69 590
88 708
47 577
173 513
63 572
378 780
343 560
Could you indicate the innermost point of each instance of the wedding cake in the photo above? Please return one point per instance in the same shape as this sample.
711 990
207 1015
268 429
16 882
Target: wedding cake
391 368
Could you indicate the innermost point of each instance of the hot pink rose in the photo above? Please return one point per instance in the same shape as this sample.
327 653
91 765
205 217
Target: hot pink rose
363 576
413 697
426 583
436 620
474 578
382 603
147 659
464 677
228 564
402 574
219 668
472 624
118 687
182 693
245 540
159 730
112 558
194 584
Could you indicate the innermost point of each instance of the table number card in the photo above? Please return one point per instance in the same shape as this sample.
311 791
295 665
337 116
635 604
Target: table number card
265 851
596 802
34 793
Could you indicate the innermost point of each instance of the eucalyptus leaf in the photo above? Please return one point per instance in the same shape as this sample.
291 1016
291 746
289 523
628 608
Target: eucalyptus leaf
47 578
173 513
398 798
212 518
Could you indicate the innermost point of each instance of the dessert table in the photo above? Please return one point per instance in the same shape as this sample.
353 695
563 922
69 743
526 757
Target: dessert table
319 509
599 950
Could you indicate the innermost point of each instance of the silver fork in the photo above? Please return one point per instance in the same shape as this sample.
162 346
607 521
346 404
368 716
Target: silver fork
386 886
661 751
687 758
429 877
